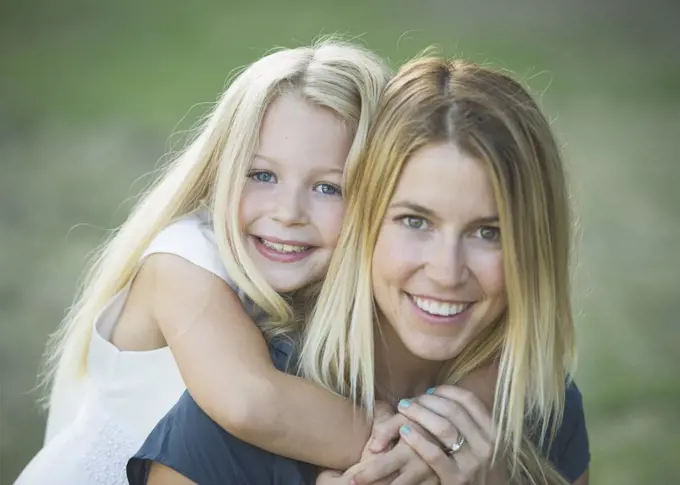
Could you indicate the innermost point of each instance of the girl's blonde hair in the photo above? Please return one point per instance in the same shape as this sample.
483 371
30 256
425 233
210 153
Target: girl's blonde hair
492 118
211 172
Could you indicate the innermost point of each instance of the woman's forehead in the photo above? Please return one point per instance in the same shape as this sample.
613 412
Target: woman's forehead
444 179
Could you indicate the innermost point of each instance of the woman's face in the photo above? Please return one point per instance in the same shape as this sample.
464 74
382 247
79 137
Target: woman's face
291 207
437 268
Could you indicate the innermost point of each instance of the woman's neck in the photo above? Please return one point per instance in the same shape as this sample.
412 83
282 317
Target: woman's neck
398 373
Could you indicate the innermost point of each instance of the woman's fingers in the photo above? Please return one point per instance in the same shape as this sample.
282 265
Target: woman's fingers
441 426
455 417
474 406
445 468
406 467
430 426
447 421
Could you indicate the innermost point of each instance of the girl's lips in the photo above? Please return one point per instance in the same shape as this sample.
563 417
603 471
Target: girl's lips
273 254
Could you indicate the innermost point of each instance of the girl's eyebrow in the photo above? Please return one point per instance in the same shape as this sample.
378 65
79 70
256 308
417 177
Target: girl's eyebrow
320 169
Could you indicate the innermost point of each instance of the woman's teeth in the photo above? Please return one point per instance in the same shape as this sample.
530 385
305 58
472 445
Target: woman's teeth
439 308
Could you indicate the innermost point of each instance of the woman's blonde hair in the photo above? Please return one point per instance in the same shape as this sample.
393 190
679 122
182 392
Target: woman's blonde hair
492 118
211 172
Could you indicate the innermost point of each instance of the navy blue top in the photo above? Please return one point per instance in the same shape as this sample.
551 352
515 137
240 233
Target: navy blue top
188 441
570 452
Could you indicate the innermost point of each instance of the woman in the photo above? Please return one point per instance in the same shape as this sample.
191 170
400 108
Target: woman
457 233
458 155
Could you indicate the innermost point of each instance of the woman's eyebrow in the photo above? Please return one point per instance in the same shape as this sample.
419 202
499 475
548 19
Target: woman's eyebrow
414 207
486 220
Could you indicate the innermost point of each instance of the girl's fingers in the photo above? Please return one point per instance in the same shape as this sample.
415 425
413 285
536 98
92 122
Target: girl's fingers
331 477
385 432
416 477
416 471
379 468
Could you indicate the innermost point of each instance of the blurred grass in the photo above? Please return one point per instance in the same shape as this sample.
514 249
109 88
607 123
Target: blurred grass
90 92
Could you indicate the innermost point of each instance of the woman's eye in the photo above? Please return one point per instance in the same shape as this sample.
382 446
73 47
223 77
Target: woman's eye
489 233
415 222
328 189
262 176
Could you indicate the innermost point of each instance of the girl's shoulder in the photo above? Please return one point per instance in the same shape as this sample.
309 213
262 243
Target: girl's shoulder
192 238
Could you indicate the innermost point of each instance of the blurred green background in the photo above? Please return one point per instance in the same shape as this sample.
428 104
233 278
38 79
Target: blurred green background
93 94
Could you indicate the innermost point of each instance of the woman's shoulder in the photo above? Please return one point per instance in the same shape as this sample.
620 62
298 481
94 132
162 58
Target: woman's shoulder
190 442
570 451
573 418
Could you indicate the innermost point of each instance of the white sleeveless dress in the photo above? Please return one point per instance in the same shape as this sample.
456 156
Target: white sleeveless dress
97 424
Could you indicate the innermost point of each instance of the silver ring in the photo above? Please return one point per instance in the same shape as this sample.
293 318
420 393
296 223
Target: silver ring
455 448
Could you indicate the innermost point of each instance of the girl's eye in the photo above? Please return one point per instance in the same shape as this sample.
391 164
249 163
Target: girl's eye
415 222
262 176
489 233
328 189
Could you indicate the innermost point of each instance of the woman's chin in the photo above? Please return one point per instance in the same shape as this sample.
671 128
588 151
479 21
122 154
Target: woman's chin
433 348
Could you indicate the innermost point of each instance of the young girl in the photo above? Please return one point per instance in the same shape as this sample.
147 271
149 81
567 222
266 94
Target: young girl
239 227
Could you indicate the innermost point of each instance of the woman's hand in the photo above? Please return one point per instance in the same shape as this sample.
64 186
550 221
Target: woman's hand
399 464
384 460
408 459
463 427
449 440
431 449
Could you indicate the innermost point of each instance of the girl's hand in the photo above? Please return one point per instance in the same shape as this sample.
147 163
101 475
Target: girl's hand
332 477
386 423
402 465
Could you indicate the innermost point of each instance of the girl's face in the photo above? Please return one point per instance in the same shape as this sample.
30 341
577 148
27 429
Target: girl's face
437 269
292 207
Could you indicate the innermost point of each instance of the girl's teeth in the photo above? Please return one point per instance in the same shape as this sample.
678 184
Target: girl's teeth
439 308
284 248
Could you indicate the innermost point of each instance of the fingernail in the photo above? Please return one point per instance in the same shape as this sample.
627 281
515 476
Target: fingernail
405 429
375 446
430 390
404 403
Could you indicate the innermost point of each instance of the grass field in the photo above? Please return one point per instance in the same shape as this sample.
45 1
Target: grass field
93 94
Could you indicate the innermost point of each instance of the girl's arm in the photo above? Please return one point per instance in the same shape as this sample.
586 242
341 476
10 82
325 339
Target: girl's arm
226 365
